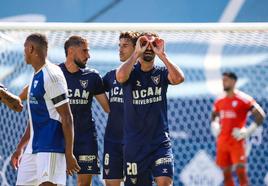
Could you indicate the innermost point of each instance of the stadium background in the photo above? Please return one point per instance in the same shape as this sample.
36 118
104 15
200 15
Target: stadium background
189 104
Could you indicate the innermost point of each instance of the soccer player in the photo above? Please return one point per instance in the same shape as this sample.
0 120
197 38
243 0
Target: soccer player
147 147
49 152
229 117
9 99
83 85
113 144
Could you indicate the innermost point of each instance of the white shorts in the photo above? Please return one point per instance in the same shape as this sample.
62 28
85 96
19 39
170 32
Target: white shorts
35 169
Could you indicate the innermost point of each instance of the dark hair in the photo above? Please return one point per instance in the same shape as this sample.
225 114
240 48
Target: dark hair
149 34
73 41
231 75
132 36
39 39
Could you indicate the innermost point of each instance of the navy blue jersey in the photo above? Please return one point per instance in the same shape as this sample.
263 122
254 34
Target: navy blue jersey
145 105
114 128
82 86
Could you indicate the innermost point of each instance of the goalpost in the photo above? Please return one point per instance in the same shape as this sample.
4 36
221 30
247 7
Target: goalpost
202 50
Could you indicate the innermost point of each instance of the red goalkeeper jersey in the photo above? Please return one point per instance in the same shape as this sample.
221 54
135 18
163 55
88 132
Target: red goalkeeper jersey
233 113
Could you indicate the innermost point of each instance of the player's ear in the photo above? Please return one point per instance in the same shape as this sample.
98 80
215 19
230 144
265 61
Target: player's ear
70 50
31 48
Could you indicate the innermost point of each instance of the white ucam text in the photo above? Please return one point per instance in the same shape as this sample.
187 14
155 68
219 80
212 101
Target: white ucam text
78 94
149 92
147 96
116 91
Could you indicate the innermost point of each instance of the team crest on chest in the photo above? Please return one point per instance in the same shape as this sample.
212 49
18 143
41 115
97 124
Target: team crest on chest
84 83
156 79
35 83
234 103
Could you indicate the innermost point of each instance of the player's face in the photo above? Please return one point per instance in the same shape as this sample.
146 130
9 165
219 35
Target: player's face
81 55
149 54
228 83
126 48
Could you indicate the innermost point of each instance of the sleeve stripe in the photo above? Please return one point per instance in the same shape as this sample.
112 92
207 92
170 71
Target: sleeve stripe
59 98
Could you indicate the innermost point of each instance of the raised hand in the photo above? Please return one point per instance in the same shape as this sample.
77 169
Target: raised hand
158 46
141 45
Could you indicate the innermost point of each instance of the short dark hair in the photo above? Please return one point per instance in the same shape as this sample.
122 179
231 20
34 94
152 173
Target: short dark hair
39 39
73 41
230 74
132 36
149 34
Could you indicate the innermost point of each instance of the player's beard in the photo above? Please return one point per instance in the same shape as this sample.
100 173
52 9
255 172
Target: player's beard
226 89
148 57
80 64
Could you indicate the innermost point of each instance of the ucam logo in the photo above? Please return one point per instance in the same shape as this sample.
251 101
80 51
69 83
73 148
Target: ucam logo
201 171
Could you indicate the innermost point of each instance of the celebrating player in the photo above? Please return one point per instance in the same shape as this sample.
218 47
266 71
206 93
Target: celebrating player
113 147
49 151
147 146
83 84
229 117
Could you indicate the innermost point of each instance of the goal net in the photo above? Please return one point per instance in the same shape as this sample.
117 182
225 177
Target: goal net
203 51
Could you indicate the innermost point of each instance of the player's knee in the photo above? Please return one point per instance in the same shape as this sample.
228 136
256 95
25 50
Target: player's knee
84 180
112 182
163 181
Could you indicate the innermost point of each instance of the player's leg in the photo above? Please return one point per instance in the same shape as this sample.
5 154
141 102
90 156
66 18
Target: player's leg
163 165
228 178
84 179
27 170
242 175
223 160
113 163
51 168
239 162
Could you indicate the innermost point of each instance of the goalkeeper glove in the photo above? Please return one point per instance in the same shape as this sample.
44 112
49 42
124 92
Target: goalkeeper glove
244 132
215 128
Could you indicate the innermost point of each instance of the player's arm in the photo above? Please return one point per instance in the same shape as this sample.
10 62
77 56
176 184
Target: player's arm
124 70
68 131
259 115
16 156
175 74
56 89
24 93
11 100
103 101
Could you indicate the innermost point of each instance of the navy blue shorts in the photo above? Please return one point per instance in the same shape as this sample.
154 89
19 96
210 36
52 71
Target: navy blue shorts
112 160
142 165
86 154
